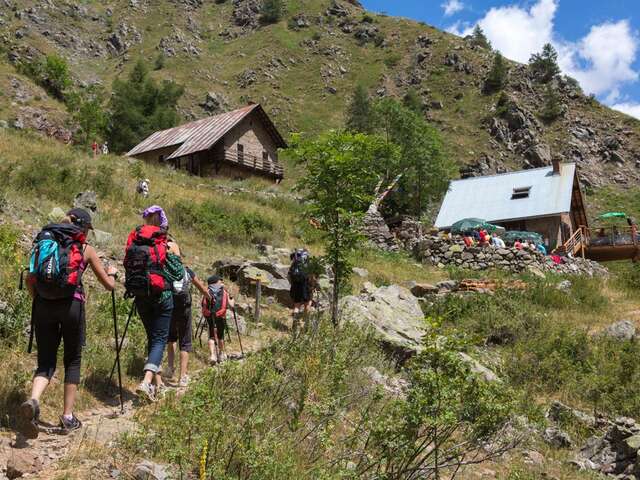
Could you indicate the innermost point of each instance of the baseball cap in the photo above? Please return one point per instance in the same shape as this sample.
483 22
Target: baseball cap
80 217
213 279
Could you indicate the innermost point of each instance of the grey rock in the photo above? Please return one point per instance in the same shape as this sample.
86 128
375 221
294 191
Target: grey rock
559 412
395 386
87 200
56 215
448 285
101 237
228 267
147 470
479 369
622 330
241 325
214 102
393 313
436 105
564 285
422 290
557 438
360 272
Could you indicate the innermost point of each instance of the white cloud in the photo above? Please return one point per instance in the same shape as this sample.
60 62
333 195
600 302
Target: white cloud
451 7
629 108
602 61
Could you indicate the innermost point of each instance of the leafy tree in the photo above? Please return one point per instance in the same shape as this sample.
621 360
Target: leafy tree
271 11
412 101
479 39
139 106
497 78
51 73
88 111
544 65
424 169
359 111
552 106
449 418
342 170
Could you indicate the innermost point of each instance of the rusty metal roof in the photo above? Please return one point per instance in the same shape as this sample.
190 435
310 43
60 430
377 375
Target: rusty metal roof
202 134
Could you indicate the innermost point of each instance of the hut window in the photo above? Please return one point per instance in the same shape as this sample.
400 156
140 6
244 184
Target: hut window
522 192
240 153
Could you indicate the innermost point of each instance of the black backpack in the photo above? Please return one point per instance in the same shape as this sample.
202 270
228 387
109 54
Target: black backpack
298 269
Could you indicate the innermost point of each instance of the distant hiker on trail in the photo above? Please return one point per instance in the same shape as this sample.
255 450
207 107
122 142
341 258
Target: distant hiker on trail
214 311
143 187
300 283
59 257
105 149
148 279
94 148
180 328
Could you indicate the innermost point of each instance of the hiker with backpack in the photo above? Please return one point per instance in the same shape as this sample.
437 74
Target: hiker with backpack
300 281
149 273
58 260
214 310
180 330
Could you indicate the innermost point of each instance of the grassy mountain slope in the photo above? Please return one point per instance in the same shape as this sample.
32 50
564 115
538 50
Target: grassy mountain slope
292 70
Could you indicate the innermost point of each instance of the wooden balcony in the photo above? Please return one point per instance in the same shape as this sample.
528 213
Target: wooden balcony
604 244
253 162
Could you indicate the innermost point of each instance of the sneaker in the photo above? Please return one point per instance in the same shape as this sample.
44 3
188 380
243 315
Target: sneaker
184 380
68 426
213 360
28 414
223 357
161 391
146 392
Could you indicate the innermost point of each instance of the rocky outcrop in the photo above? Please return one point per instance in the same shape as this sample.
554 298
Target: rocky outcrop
393 313
214 103
443 252
615 453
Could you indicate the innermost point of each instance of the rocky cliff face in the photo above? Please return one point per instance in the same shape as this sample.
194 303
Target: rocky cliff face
304 68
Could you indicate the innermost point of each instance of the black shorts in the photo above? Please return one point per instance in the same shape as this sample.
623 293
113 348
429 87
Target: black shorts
180 329
53 321
300 292
220 325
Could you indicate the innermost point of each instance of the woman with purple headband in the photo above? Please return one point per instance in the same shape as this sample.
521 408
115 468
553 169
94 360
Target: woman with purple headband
150 284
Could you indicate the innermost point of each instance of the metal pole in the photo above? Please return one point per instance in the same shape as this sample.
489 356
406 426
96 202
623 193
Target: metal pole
235 317
115 332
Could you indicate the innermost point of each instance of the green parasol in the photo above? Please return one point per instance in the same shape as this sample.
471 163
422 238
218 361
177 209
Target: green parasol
612 215
471 224
513 235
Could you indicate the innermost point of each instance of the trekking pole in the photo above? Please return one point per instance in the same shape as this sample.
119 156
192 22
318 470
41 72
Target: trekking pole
215 342
235 318
200 329
115 332
119 346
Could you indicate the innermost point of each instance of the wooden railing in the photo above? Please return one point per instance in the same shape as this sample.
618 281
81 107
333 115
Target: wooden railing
575 244
254 162
612 236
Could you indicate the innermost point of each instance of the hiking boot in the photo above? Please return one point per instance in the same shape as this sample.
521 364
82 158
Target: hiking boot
146 392
69 425
28 414
184 380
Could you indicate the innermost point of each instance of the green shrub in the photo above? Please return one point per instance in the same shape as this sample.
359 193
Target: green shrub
221 223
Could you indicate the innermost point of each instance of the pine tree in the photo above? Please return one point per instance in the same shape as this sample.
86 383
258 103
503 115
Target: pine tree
544 65
359 112
271 11
497 78
552 107
479 39
413 101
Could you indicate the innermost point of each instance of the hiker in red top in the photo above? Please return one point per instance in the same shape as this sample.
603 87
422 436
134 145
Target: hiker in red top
59 257
94 148
215 312
148 279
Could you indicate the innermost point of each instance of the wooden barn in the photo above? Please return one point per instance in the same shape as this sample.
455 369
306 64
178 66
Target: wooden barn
235 144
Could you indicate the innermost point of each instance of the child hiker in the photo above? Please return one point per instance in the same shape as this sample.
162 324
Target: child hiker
215 312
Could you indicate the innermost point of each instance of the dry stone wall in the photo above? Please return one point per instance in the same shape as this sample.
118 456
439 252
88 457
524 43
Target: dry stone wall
453 253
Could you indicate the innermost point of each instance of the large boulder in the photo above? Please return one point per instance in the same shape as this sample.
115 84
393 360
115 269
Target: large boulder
622 330
394 314
271 286
87 200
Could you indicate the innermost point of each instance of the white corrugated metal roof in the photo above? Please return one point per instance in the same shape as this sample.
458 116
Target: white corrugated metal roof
489 197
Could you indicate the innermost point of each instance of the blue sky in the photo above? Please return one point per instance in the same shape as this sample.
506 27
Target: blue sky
598 40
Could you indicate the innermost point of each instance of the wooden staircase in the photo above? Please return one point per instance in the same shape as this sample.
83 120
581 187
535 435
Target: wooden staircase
577 244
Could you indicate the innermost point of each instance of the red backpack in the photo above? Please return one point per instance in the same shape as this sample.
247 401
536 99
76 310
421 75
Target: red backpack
217 306
144 260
